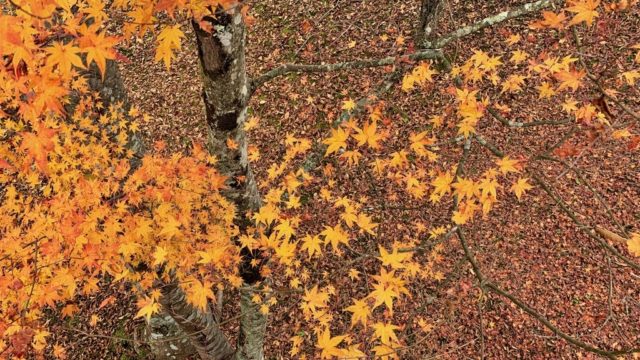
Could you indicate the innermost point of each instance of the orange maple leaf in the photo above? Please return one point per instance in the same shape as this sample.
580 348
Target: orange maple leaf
38 145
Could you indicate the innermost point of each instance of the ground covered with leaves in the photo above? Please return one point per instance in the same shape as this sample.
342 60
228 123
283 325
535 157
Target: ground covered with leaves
528 246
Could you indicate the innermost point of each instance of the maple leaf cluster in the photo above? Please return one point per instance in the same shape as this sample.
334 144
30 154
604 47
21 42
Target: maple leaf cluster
78 207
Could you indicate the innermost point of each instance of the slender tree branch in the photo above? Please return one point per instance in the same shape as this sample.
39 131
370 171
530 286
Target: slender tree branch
487 284
593 190
516 124
347 65
489 21
587 229
596 81
497 152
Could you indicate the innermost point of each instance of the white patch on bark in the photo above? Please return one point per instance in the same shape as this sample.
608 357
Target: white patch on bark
225 39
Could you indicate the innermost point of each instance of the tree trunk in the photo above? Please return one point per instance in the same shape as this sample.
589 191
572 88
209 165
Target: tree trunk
225 95
253 325
429 13
200 326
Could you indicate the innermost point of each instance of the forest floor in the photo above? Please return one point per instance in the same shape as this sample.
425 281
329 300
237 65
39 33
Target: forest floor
529 247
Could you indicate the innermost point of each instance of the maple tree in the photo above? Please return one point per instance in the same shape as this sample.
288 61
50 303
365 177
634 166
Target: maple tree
83 205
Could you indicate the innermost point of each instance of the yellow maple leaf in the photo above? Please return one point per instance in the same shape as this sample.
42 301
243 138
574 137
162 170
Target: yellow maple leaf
170 228
520 187
386 352
513 39
314 299
507 165
518 56
585 10
148 306
360 312
465 212
442 185
198 293
383 295
285 229
251 123
266 215
393 259
348 105
159 256
634 244
169 39
368 135
385 332
545 90
98 46
312 245
329 344
335 236
365 224
621 133
64 56
631 76
465 188
569 106
418 145
550 20
354 274
570 79
232 144
286 252
513 83
337 141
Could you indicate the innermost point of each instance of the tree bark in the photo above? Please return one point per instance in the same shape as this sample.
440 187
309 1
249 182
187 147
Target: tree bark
429 13
199 326
225 95
253 325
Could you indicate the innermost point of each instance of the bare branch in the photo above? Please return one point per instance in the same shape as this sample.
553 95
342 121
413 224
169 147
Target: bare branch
486 284
515 124
589 230
596 81
497 152
595 192
489 21
347 65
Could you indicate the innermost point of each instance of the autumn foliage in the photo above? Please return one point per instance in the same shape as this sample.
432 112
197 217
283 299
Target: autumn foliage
80 209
